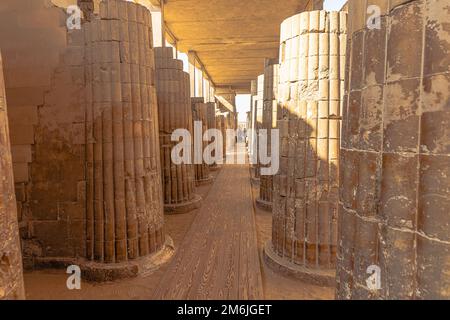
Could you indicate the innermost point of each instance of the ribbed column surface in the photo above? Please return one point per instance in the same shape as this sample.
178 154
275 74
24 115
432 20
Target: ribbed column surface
269 122
253 152
259 109
11 278
395 170
305 195
174 105
124 211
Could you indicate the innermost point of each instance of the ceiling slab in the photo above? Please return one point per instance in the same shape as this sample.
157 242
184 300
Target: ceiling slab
231 37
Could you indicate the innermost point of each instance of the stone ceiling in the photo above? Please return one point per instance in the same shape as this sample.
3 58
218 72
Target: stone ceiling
231 37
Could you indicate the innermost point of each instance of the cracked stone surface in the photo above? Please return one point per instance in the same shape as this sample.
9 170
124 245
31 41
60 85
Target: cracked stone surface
395 154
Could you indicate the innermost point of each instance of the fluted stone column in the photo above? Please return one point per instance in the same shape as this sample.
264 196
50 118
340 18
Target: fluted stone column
305 192
87 6
316 4
125 218
221 123
253 143
89 185
211 114
174 106
269 122
395 170
200 114
211 117
259 109
11 278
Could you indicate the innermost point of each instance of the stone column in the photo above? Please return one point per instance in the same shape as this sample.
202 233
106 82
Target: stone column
253 152
222 126
89 183
269 122
395 156
211 117
259 108
11 278
231 140
87 6
200 114
305 192
174 106
124 215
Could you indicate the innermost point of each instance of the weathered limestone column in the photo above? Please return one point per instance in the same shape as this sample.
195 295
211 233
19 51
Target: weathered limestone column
200 114
253 152
231 124
259 108
269 122
249 125
11 278
316 5
221 122
305 192
84 137
211 119
174 106
125 220
87 6
395 156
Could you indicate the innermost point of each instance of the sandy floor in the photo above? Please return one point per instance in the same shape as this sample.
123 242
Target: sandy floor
51 284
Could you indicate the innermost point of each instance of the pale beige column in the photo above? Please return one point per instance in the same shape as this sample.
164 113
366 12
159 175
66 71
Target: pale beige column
258 101
269 122
11 278
305 192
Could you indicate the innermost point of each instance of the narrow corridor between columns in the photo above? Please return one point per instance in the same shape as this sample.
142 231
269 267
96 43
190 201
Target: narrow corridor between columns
218 254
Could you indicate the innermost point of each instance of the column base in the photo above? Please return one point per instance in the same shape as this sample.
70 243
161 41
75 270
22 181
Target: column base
204 181
184 207
103 272
324 278
264 205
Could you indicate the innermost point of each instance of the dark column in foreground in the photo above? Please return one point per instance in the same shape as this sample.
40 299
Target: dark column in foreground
11 279
395 179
